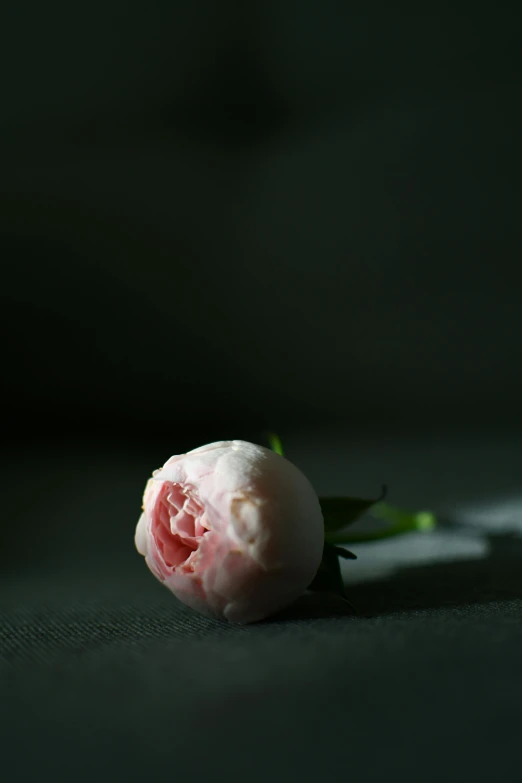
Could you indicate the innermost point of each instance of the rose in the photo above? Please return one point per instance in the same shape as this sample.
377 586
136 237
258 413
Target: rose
234 530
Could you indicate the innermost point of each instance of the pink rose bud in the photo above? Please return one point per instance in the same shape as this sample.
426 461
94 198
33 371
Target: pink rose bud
234 530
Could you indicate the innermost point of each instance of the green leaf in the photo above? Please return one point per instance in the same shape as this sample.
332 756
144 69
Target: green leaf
341 512
275 443
328 578
344 553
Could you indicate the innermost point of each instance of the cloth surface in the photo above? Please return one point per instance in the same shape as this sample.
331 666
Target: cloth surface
105 676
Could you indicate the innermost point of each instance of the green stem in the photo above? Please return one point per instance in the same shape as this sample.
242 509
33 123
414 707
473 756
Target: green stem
400 522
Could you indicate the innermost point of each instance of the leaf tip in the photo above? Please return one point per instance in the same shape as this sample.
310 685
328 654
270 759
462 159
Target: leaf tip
275 443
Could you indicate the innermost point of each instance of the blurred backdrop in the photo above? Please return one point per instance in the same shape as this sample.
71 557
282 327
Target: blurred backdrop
222 216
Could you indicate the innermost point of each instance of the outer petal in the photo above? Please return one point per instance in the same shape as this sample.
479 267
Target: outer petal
188 589
141 536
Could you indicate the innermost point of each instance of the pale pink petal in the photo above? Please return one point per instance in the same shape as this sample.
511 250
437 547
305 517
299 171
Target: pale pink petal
141 537
232 529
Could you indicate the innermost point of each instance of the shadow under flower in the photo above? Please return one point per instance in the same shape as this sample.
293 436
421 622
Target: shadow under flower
440 585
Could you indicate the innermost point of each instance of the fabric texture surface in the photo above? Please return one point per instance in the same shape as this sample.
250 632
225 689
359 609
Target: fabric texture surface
105 676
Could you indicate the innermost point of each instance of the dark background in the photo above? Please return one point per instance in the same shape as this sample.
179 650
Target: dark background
222 217
226 214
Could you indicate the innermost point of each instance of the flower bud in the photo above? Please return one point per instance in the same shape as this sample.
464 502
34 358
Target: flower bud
233 529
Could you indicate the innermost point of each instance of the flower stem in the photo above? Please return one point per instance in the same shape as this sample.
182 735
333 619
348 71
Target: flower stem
400 522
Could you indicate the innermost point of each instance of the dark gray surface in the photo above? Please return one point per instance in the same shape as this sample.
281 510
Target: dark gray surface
104 676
